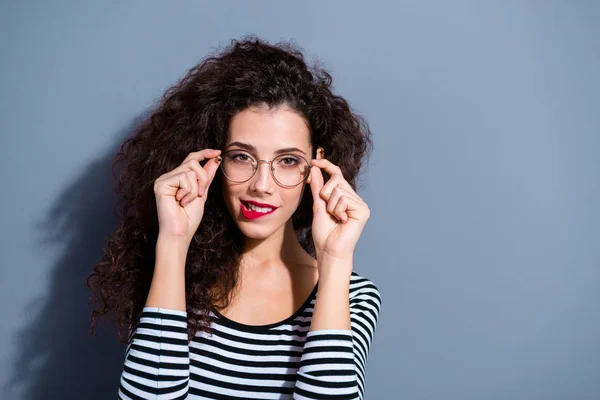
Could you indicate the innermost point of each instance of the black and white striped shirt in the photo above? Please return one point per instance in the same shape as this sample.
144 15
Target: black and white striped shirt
284 360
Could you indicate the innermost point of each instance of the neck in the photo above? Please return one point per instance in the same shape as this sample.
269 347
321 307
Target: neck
281 248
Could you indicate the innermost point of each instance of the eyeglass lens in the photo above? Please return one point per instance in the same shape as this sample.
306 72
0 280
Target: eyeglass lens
289 169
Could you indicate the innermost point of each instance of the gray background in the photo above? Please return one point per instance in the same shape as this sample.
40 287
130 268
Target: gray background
484 186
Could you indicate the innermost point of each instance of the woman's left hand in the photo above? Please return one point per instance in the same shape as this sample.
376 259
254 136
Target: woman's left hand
339 214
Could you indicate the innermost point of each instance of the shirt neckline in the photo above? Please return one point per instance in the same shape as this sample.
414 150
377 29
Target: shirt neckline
254 328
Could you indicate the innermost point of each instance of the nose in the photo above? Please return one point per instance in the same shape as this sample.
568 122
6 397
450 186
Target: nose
263 180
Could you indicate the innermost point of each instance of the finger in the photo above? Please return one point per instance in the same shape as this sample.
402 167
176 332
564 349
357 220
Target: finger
202 155
316 183
188 190
174 185
348 192
197 156
337 193
207 172
211 168
332 201
337 178
348 207
180 184
337 181
181 194
202 178
327 165
192 178
340 208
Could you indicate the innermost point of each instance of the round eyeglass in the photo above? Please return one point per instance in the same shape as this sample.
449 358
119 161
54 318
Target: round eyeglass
239 166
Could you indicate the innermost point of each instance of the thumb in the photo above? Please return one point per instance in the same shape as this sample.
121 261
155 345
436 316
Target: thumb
211 168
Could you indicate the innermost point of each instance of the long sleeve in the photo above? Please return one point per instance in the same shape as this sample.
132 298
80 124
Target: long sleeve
333 363
157 362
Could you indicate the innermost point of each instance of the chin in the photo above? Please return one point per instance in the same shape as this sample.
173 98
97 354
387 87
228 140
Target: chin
256 231
256 234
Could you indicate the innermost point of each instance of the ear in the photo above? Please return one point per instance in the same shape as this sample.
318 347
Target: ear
320 155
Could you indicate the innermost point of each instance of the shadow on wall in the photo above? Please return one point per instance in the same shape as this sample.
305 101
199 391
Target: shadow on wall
57 357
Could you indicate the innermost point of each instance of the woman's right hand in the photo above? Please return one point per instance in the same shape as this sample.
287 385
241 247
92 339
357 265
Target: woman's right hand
181 195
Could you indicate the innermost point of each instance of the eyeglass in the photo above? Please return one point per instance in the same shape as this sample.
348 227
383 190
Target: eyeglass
288 170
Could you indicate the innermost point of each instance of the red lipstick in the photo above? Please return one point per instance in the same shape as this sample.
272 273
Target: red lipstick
256 203
252 214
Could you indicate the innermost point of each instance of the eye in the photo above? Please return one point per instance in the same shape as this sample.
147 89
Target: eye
289 161
241 157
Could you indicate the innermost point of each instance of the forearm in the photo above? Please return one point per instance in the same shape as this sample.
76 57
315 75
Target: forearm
157 361
167 289
332 307
327 366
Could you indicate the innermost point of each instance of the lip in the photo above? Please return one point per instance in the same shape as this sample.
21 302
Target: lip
256 203
251 214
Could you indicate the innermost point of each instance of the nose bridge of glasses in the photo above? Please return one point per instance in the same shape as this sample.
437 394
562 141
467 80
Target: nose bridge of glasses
270 170
268 162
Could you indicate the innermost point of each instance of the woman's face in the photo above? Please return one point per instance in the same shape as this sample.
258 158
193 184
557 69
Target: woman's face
266 131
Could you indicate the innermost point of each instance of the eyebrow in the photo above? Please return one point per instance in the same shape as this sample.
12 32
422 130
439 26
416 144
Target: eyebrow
252 148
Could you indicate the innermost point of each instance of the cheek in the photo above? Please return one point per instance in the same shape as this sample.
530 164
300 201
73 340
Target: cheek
295 197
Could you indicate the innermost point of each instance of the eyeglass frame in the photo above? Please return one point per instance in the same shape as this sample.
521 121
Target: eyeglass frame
272 169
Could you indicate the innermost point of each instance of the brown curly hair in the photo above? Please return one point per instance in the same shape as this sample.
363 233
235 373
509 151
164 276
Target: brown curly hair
194 114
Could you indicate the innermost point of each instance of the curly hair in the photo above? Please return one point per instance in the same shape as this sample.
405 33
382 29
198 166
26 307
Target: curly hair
195 114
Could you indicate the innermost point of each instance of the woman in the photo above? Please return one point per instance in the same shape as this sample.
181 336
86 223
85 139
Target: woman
232 278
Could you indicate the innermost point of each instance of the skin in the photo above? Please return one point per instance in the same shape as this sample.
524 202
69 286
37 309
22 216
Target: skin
274 264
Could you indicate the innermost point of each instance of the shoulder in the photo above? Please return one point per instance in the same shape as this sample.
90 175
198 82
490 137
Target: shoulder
363 289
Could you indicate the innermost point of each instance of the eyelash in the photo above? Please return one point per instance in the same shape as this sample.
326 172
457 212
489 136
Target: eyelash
285 158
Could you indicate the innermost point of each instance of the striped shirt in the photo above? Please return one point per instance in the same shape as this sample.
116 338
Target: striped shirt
283 360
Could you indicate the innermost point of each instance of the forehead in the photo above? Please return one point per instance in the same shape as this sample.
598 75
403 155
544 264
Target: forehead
269 130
